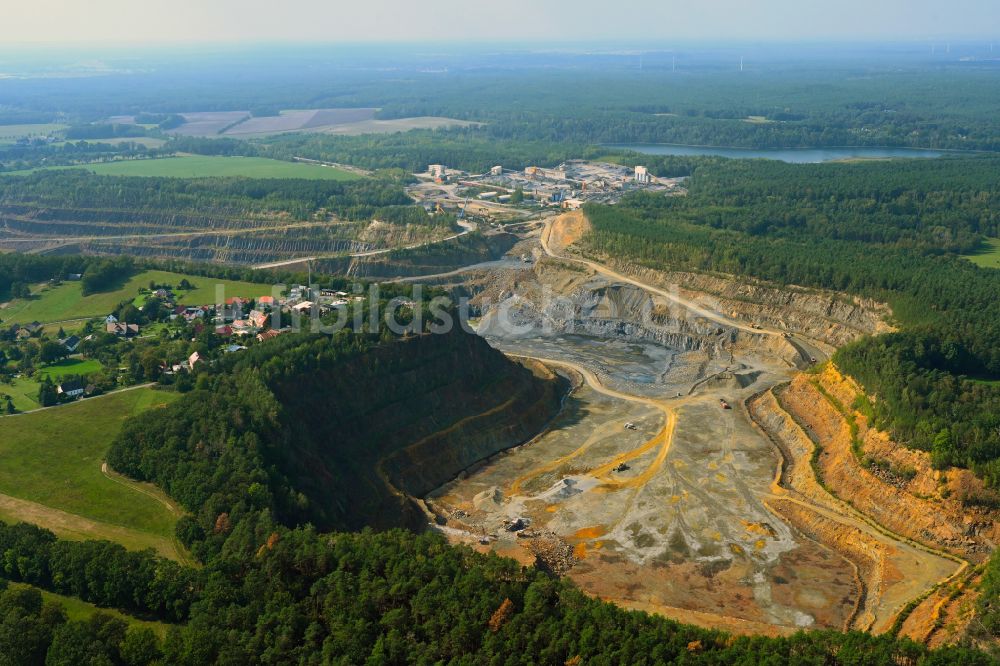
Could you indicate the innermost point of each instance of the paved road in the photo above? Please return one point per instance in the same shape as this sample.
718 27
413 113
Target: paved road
96 397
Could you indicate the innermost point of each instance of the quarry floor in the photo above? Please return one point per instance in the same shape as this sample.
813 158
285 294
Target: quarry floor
683 530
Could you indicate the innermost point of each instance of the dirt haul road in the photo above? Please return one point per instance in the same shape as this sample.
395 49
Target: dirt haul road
546 238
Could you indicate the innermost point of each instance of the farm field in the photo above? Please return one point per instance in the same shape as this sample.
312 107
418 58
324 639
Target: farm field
396 125
199 166
292 121
348 121
77 609
989 258
11 133
50 473
208 123
66 302
68 366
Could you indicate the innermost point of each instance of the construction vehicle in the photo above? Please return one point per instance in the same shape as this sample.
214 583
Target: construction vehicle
516 525
630 426
461 213
724 404
622 468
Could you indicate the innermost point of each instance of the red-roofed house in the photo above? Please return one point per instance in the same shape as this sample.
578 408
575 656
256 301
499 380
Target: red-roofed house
269 334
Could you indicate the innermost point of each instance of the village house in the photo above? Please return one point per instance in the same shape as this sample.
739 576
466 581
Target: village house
269 334
305 307
192 313
257 318
72 388
71 343
123 330
243 327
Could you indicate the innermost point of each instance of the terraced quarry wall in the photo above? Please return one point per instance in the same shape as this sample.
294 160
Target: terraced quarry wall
430 260
877 504
834 319
903 506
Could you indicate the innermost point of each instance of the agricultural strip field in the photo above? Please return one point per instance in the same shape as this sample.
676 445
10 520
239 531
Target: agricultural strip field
989 258
66 302
51 475
349 121
199 166
77 609
291 121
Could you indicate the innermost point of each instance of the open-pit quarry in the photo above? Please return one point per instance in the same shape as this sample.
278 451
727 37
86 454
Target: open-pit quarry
698 469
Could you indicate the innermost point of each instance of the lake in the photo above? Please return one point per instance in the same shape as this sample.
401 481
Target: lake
793 155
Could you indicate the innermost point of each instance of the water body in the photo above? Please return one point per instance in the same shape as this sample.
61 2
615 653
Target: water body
792 155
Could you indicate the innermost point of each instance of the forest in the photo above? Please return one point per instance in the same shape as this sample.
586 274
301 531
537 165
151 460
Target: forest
800 98
890 231
80 192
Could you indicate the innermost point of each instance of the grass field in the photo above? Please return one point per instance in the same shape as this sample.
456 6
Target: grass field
199 166
50 469
77 609
988 258
23 392
68 366
67 302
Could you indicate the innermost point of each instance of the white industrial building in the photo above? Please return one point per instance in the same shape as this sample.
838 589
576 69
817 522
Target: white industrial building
642 175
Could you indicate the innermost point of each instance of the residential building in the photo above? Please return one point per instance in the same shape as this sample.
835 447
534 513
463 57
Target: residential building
71 343
72 388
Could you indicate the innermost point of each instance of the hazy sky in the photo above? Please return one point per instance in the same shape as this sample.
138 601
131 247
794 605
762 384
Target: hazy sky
103 21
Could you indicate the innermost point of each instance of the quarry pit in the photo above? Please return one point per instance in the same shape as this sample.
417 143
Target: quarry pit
657 487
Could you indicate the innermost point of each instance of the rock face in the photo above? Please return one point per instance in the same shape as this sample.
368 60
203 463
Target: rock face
416 413
918 505
834 318
556 299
